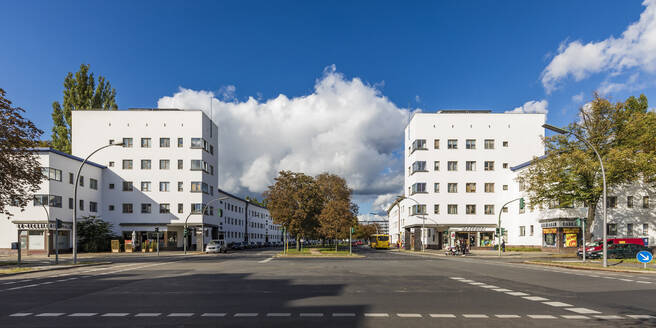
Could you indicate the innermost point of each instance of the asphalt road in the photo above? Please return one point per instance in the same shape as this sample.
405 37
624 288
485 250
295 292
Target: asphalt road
383 289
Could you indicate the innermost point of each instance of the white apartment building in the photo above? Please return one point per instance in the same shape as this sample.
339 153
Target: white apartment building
53 201
458 174
244 221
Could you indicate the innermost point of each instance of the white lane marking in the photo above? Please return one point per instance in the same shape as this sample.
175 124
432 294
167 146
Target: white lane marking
9 283
608 317
574 316
49 314
245 315
147 314
625 279
311 314
582 310
266 260
643 282
466 280
557 304
213 315
21 314
408 315
476 283
343 314
640 316
475 316
489 286
456 278
376 315
278 314
83 314
180 315
47 283
503 290
517 293
541 316
507 316
442 315
115 314
535 298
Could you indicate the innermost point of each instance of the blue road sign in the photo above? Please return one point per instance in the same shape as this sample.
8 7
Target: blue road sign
644 257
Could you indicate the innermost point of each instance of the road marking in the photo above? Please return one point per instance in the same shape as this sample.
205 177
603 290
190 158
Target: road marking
472 316
582 310
442 315
574 316
213 315
343 314
516 293
180 315
311 314
643 282
466 280
502 290
476 283
49 314
115 314
625 279
278 314
608 317
535 298
147 314
557 304
541 316
266 260
408 315
456 278
21 314
376 315
245 315
9 283
82 314
507 316
640 316
489 286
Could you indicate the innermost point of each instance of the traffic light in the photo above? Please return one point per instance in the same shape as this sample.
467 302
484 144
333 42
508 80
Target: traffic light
496 231
156 229
59 223
521 203
503 231
577 222
186 232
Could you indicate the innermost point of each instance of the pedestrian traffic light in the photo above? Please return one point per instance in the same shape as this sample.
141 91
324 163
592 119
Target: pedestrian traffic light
58 223
521 203
503 231
496 231
156 229
186 231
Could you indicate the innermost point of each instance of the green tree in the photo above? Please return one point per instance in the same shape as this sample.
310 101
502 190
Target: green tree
294 202
80 93
255 201
338 213
365 231
20 171
94 234
570 173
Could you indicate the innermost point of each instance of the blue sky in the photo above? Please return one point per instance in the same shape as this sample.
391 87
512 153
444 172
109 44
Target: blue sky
415 54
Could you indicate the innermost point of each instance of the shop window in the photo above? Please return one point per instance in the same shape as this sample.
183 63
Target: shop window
549 239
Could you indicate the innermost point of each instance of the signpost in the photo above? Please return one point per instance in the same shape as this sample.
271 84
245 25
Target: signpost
157 232
644 257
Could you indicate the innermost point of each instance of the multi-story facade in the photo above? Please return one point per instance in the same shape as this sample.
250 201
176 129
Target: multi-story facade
458 174
248 222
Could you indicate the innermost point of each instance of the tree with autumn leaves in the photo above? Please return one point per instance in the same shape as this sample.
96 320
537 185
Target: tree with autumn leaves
311 207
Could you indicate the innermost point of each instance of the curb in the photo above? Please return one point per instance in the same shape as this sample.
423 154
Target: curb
54 269
587 268
354 256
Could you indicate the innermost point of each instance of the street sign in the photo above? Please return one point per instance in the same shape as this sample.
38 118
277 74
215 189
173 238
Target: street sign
644 257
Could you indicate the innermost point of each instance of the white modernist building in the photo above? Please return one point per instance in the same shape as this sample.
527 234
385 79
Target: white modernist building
162 178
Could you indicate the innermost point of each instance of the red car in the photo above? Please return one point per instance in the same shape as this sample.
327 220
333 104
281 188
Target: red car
597 245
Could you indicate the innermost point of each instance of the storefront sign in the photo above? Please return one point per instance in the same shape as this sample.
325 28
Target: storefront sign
571 230
570 240
552 230
42 226
471 229
559 224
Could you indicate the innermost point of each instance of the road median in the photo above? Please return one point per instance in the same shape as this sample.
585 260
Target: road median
592 266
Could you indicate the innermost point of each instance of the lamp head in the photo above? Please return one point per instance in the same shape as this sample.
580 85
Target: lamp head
122 144
555 129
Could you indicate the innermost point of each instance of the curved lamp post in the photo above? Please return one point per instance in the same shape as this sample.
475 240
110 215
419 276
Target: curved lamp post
202 213
603 175
423 223
77 181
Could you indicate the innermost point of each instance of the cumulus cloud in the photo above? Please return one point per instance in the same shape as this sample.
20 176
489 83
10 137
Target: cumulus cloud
383 202
578 98
344 127
532 106
635 49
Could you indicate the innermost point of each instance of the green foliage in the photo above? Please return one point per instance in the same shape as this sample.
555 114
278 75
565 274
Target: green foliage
20 171
255 201
338 213
365 231
80 93
94 234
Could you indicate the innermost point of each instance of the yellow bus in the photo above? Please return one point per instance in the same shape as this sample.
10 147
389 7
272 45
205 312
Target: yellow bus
380 241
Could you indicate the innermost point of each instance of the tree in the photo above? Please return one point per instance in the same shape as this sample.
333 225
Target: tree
94 234
20 172
365 231
256 201
80 93
570 173
294 202
338 213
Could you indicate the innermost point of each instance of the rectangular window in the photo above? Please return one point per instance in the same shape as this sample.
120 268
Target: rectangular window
145 164
180 164
470 165
489 165
179 185
436 187
470 187
452 209
489 209
127 142
452 187
196 208
489 187
645 229
611 229
164 208
146 208
436 209
611 202
505 144
127 208
111 207
418 209
127 186
180 207
645 202
81 181
111 164
164 164
522 231
504 209
55 201
180 142
81 205
127 164
40 200
196 186
419 144
419 166
93 184
629 201
164 142
198 165
452 166
470 144
211 150
93 207
436 165
52 173
436 144
164 186
470 209
489 143
145 185
629 229
505 187
504 165
146 143
418 188
532 230
452 144
197 143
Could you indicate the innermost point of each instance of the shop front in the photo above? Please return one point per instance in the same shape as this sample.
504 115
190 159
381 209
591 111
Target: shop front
475 237
42 237
561 235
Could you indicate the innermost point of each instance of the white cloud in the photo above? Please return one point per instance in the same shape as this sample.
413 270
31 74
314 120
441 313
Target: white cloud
344 127
636 48
532 106
578 98
631 84
383 202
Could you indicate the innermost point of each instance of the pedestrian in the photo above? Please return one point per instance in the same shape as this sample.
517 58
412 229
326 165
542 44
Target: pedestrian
503 246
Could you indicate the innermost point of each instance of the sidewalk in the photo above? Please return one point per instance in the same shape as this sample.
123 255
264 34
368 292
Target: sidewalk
491 254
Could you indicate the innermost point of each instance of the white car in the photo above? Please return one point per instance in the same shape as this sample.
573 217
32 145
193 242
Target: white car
216 246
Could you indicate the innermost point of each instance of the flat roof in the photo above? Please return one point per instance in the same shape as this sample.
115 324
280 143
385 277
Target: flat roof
241 199
61 153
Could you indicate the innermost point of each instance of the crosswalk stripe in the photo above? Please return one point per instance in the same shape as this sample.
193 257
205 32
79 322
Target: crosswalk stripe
147 314
311 314
343 314
82 314
475 316
213 315
582 310
507 316
180 314
535 298
640 316
541 316
408 315
574 316
376 315
245 315
50 314
21 314
442 315
115 314
278 314
557 304
606 317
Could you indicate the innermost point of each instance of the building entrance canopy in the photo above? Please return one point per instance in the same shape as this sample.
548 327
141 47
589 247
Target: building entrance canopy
43 225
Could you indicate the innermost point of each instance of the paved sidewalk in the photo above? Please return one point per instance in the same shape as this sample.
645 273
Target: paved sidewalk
491 254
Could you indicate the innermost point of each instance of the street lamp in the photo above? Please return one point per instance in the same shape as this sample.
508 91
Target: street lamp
423 222
202 213
603 175
77 181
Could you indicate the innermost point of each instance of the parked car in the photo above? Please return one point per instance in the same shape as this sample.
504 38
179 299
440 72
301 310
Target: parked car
259 244
620 251
252 244
216 246
236 245
597 245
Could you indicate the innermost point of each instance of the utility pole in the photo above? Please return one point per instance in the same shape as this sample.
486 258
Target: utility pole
521 205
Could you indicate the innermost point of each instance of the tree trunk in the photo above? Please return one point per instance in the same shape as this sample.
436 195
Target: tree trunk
589 221
298 243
